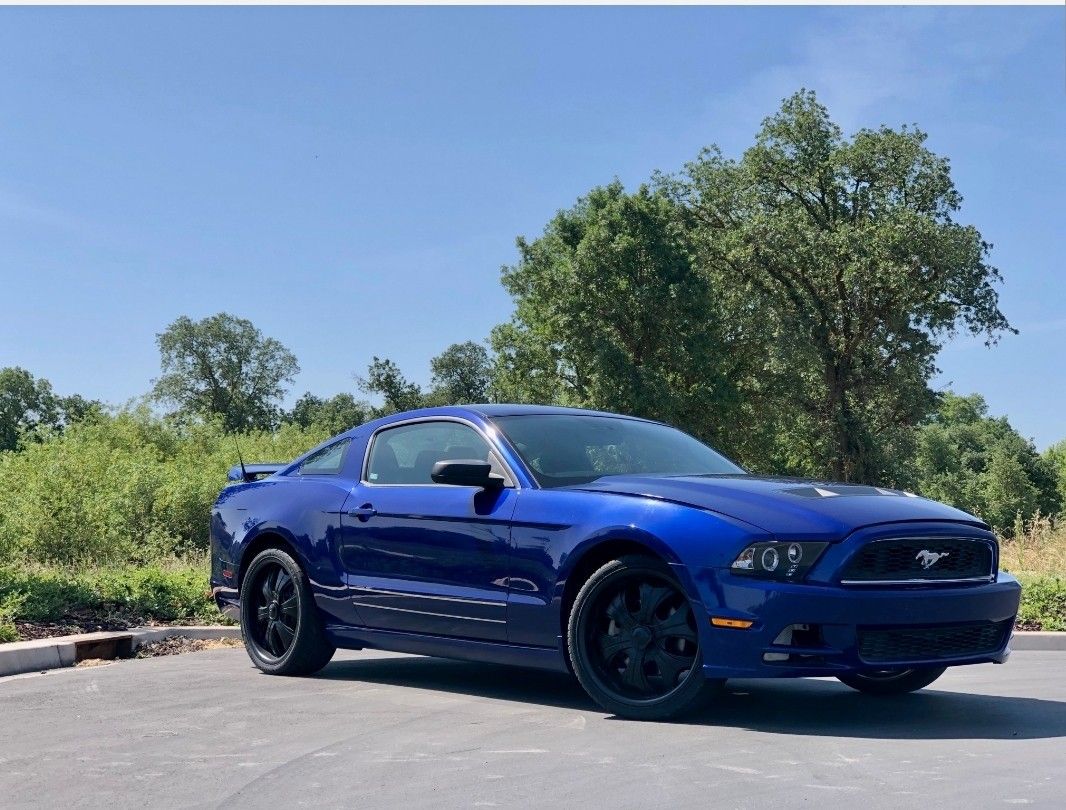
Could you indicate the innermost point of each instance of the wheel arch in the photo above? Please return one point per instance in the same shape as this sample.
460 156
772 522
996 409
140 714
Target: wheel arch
267 537
592 555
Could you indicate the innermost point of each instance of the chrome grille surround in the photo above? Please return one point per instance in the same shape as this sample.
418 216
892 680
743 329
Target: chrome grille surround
898 561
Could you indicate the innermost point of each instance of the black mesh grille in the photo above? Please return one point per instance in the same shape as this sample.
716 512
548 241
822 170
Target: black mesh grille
921 559
929 643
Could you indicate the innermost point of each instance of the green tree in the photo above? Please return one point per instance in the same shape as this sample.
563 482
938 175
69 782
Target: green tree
335 414
1055 456
610 312
223 366
30 408
983 465
384 377
26 405
462 374
849 252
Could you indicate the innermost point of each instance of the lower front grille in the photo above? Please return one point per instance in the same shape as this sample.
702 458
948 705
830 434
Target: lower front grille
878 646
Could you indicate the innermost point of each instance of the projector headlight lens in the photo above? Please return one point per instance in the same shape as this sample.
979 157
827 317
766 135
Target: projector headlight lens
770 558
783 561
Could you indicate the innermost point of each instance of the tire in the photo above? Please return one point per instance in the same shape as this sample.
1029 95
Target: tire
892 681
634 644
280 624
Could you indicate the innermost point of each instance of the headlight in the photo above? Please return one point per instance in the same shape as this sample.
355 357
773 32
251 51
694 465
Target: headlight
787 561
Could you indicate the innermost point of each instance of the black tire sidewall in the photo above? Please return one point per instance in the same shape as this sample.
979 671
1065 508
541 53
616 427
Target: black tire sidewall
686 697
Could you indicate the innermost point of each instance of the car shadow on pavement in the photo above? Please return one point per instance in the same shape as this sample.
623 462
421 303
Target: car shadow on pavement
493 681
826 708
820 708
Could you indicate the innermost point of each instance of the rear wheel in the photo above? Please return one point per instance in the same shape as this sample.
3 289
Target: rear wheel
634 644
892 681
282 630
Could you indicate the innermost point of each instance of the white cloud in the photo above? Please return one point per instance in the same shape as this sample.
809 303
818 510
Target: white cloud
864 61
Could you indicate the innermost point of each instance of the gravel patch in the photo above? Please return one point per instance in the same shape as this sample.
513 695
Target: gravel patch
176 645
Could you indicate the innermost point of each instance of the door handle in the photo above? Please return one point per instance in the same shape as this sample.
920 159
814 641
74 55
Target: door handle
364 512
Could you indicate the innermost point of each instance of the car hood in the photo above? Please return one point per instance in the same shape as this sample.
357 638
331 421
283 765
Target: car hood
787 507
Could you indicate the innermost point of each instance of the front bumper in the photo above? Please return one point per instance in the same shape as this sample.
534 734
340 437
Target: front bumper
841 617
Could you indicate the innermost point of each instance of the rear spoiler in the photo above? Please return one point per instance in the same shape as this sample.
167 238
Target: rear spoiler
253 472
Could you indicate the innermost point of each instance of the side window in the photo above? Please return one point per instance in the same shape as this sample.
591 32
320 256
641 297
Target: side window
406 454
327 461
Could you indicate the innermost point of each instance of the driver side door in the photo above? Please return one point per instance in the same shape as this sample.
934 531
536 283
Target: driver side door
424 557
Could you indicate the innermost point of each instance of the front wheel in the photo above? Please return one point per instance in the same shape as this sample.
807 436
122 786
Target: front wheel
892 681
634 644
281 627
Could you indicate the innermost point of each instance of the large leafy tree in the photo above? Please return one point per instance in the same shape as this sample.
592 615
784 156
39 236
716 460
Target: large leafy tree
610 312
26 405
384 377
983 465
462 373
849 254
224 367
29 408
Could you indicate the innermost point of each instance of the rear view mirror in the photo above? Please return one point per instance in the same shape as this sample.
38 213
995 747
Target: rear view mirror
465 473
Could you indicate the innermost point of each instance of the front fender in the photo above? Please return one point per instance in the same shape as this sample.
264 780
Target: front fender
555 532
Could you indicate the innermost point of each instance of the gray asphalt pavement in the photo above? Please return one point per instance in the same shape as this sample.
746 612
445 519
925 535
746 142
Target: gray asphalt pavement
384 730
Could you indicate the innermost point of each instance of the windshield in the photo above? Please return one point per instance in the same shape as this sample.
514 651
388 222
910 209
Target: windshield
566 449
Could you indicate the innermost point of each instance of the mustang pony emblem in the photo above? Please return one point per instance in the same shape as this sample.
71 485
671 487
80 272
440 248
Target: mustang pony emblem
929 558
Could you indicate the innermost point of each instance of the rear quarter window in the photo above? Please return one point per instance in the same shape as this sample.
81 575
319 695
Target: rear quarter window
328 460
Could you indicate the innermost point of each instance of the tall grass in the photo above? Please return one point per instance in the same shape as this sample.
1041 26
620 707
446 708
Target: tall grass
1038 548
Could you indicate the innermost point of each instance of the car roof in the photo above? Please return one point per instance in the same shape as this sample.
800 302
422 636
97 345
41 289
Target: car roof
484 410
497 409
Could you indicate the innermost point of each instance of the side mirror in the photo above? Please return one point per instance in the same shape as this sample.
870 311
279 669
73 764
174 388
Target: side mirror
465 473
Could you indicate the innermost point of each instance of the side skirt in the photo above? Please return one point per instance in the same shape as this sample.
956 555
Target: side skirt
441 647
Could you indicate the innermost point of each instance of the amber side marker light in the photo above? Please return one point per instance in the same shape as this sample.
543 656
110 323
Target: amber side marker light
736 624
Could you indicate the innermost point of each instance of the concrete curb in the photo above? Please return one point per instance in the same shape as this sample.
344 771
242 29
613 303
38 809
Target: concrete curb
1038 640
65 651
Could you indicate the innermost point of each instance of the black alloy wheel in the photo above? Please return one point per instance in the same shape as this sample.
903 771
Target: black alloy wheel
282 630
891 681
634 643
277 610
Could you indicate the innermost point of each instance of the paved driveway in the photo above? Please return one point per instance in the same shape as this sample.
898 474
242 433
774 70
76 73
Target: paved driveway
383 730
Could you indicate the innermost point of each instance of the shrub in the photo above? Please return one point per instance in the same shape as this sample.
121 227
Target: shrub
166 592
124 488
1043 603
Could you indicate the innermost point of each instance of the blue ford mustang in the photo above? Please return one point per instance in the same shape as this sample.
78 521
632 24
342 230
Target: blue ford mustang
617 548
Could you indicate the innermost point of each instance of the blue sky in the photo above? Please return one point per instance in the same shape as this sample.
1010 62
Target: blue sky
352 180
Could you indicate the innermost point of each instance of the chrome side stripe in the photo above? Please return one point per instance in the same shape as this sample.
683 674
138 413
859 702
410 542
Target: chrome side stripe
410 595
373 606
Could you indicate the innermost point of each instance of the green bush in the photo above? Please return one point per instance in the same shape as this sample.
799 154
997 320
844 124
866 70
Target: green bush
174 592
1043 603
124 488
